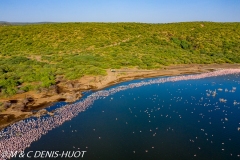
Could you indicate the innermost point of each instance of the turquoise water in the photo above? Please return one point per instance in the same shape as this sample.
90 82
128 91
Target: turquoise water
173 120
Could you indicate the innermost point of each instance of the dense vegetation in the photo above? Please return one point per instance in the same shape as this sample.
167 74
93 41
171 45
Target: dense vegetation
32 56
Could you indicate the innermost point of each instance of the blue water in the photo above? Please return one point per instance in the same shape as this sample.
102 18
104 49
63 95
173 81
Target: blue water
173 120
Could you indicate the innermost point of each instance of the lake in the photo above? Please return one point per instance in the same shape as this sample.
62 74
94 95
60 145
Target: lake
162 119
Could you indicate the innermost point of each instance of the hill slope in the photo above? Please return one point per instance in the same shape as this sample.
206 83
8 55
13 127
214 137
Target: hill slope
32 56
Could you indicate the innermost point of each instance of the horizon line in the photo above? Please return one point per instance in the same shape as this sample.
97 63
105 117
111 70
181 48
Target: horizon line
116 22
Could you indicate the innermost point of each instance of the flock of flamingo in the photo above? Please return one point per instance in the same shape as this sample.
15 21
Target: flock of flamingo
20 135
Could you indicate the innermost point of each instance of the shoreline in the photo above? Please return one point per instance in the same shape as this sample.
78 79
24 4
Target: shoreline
22 105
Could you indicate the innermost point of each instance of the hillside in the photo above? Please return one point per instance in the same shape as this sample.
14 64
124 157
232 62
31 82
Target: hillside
36 55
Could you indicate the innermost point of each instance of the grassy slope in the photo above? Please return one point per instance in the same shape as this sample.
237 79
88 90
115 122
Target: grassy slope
31 56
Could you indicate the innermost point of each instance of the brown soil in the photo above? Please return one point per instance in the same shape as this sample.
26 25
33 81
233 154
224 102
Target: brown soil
20 106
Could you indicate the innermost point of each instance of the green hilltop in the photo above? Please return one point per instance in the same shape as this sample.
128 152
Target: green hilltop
33 55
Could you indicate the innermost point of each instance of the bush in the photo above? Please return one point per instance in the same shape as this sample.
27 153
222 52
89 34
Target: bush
35 54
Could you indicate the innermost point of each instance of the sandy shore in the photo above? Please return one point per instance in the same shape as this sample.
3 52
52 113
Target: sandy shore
20 106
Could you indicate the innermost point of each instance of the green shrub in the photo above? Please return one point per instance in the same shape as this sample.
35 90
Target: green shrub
36 54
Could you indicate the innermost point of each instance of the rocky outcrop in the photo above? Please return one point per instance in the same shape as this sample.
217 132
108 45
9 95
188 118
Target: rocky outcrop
7 104
40 113
68 91
4 118
72 96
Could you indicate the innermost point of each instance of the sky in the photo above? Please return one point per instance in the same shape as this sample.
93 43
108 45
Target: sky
144 11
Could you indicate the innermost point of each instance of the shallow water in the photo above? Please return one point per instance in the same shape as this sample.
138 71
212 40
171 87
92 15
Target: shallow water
173 120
